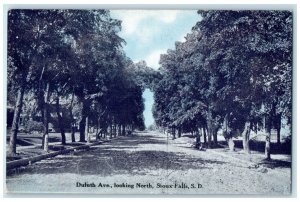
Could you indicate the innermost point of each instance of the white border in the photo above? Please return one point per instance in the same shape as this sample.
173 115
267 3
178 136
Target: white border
154 4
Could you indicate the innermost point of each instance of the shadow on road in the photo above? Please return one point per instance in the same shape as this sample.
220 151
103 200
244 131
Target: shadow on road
136 140
276 164
121 156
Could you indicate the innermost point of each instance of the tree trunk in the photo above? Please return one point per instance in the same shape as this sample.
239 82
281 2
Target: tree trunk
215 136
179 132
82 129
87 129
46 120
111 131
268 139
97 130
246 137
82 124
228 134
200 135
231 144
73 129
73 133
126 130
130 129
278 136
278 127
209 127
15 124
268 145
123 130
173 133
101 132
198 140
105 132
46 142
60 122
119 130
115 130
204 135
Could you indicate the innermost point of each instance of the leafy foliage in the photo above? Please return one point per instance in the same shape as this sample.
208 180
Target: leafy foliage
60 54
234 65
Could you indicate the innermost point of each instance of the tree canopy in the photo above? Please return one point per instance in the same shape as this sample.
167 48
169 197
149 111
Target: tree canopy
234 67
58 54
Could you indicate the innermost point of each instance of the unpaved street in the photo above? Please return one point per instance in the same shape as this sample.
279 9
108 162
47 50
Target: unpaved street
146 163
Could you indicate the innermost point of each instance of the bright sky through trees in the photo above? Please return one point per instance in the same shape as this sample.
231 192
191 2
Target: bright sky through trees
148 97
149 33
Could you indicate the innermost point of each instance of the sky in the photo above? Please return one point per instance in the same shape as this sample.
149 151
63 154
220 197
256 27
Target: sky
149 33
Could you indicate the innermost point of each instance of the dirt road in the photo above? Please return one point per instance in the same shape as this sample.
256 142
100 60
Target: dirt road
148 163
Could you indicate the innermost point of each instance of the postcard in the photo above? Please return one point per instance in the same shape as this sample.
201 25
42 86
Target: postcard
151 102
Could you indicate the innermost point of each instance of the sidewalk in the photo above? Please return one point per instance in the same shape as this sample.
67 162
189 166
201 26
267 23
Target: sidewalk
254 160
30 154
34 146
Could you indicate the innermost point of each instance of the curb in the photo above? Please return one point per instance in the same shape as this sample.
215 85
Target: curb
29 161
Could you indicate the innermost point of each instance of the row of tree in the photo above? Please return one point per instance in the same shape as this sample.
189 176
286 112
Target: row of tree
74 57
233 72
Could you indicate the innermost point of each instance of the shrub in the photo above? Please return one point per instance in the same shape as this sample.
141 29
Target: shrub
34 126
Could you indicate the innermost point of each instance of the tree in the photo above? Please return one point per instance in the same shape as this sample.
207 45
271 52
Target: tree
27 43
229 72
75 53
96 43
259 41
